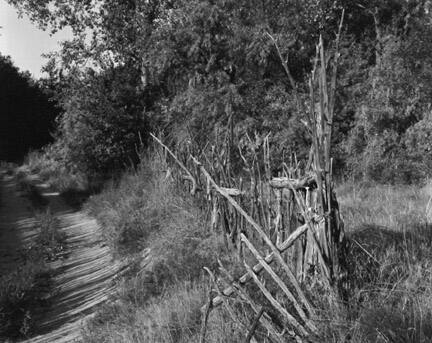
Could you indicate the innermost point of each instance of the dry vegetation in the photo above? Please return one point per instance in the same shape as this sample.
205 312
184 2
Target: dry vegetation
390 250
149 217
208 75
375 286
160 302
398 207
389 253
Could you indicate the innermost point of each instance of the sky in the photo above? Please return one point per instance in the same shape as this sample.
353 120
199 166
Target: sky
24 41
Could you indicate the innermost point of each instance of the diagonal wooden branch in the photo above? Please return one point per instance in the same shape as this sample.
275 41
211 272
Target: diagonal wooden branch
258 268
182 166
286 68
260 232
228 307
288 317
280 283
265 319
310 224
205 319
254 325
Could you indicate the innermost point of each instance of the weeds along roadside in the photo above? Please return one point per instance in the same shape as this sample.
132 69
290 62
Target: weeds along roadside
27 284
74 187
390 256
145 210
390 243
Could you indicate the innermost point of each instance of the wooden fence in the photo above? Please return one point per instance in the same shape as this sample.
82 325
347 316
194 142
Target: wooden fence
289 223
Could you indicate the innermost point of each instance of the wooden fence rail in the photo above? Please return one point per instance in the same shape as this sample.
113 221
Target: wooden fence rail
296 209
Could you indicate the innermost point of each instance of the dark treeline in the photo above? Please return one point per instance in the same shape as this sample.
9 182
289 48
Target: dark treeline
191 68
26 113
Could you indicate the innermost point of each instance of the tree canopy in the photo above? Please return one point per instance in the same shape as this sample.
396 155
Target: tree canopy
192 68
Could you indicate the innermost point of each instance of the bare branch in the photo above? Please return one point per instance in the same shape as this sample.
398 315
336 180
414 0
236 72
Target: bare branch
182 166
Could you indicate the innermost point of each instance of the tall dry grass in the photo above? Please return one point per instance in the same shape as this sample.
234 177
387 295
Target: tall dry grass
393 207
390 285
173 316
161 301
390 232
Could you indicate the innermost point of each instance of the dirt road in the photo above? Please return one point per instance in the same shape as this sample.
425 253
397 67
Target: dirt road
83 280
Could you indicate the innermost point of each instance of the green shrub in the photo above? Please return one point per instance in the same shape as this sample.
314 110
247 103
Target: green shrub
99 132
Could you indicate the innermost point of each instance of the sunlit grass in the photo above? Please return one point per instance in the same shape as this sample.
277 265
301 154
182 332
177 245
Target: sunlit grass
161 301
390 260
392 207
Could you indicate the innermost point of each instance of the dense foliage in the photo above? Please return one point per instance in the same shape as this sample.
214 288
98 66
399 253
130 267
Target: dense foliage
196 69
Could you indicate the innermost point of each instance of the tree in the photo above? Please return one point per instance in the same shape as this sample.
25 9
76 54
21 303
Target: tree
103 121
205 69
397 101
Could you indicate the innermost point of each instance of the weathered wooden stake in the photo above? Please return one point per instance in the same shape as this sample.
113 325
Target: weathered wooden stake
205 316
254 325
